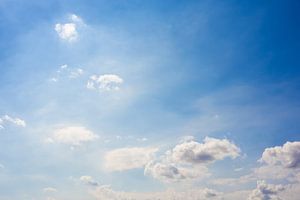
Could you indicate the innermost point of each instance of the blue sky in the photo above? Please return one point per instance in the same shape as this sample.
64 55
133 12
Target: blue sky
143 100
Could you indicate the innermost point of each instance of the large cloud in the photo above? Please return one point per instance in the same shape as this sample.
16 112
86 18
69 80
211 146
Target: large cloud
105 82
207 152
287 155
73 135
265 191
190 159
128 158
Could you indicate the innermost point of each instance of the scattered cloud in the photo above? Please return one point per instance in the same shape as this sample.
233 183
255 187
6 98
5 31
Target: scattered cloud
128 158
65 71
88 180
49 190
73 135
106 82
7 119
265 191
105 192
68 31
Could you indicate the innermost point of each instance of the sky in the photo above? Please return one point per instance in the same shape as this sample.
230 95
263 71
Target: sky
149 100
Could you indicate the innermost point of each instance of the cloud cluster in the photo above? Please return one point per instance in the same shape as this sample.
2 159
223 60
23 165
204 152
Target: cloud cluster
68 31
7 119
73 135
265 191
106 82
190 159
105 192
128 158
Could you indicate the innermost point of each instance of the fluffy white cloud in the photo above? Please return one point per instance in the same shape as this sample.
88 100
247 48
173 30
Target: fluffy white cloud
104 82
88 180
190 159
265 191
105 192
7 119
128 158
68 31
74 135
207 152
287 155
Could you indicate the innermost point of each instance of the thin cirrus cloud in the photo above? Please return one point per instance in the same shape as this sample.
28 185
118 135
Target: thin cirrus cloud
8 119
190 159
105 82
69 31
72 135
128 158
67 71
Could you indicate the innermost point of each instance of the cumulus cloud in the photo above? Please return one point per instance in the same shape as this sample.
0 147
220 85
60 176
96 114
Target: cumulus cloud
128 158
73 135
287 155
105 192
203 153
7 119
68 31
265 191
190 159
106 82
88 180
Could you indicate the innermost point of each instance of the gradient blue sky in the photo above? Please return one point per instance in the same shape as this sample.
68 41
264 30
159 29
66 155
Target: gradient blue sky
188 70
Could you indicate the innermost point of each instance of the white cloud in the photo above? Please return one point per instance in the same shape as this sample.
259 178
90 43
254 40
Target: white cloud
128 158
49 190
7 119
66 71
105 192
287 155
73 135
189 160
106 82
265 191
203 153
88 180
67 31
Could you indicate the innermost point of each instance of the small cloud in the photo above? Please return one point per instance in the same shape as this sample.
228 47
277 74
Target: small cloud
73 135
128 158
49 190
88 180
106 82
65 71
69 31
7 119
